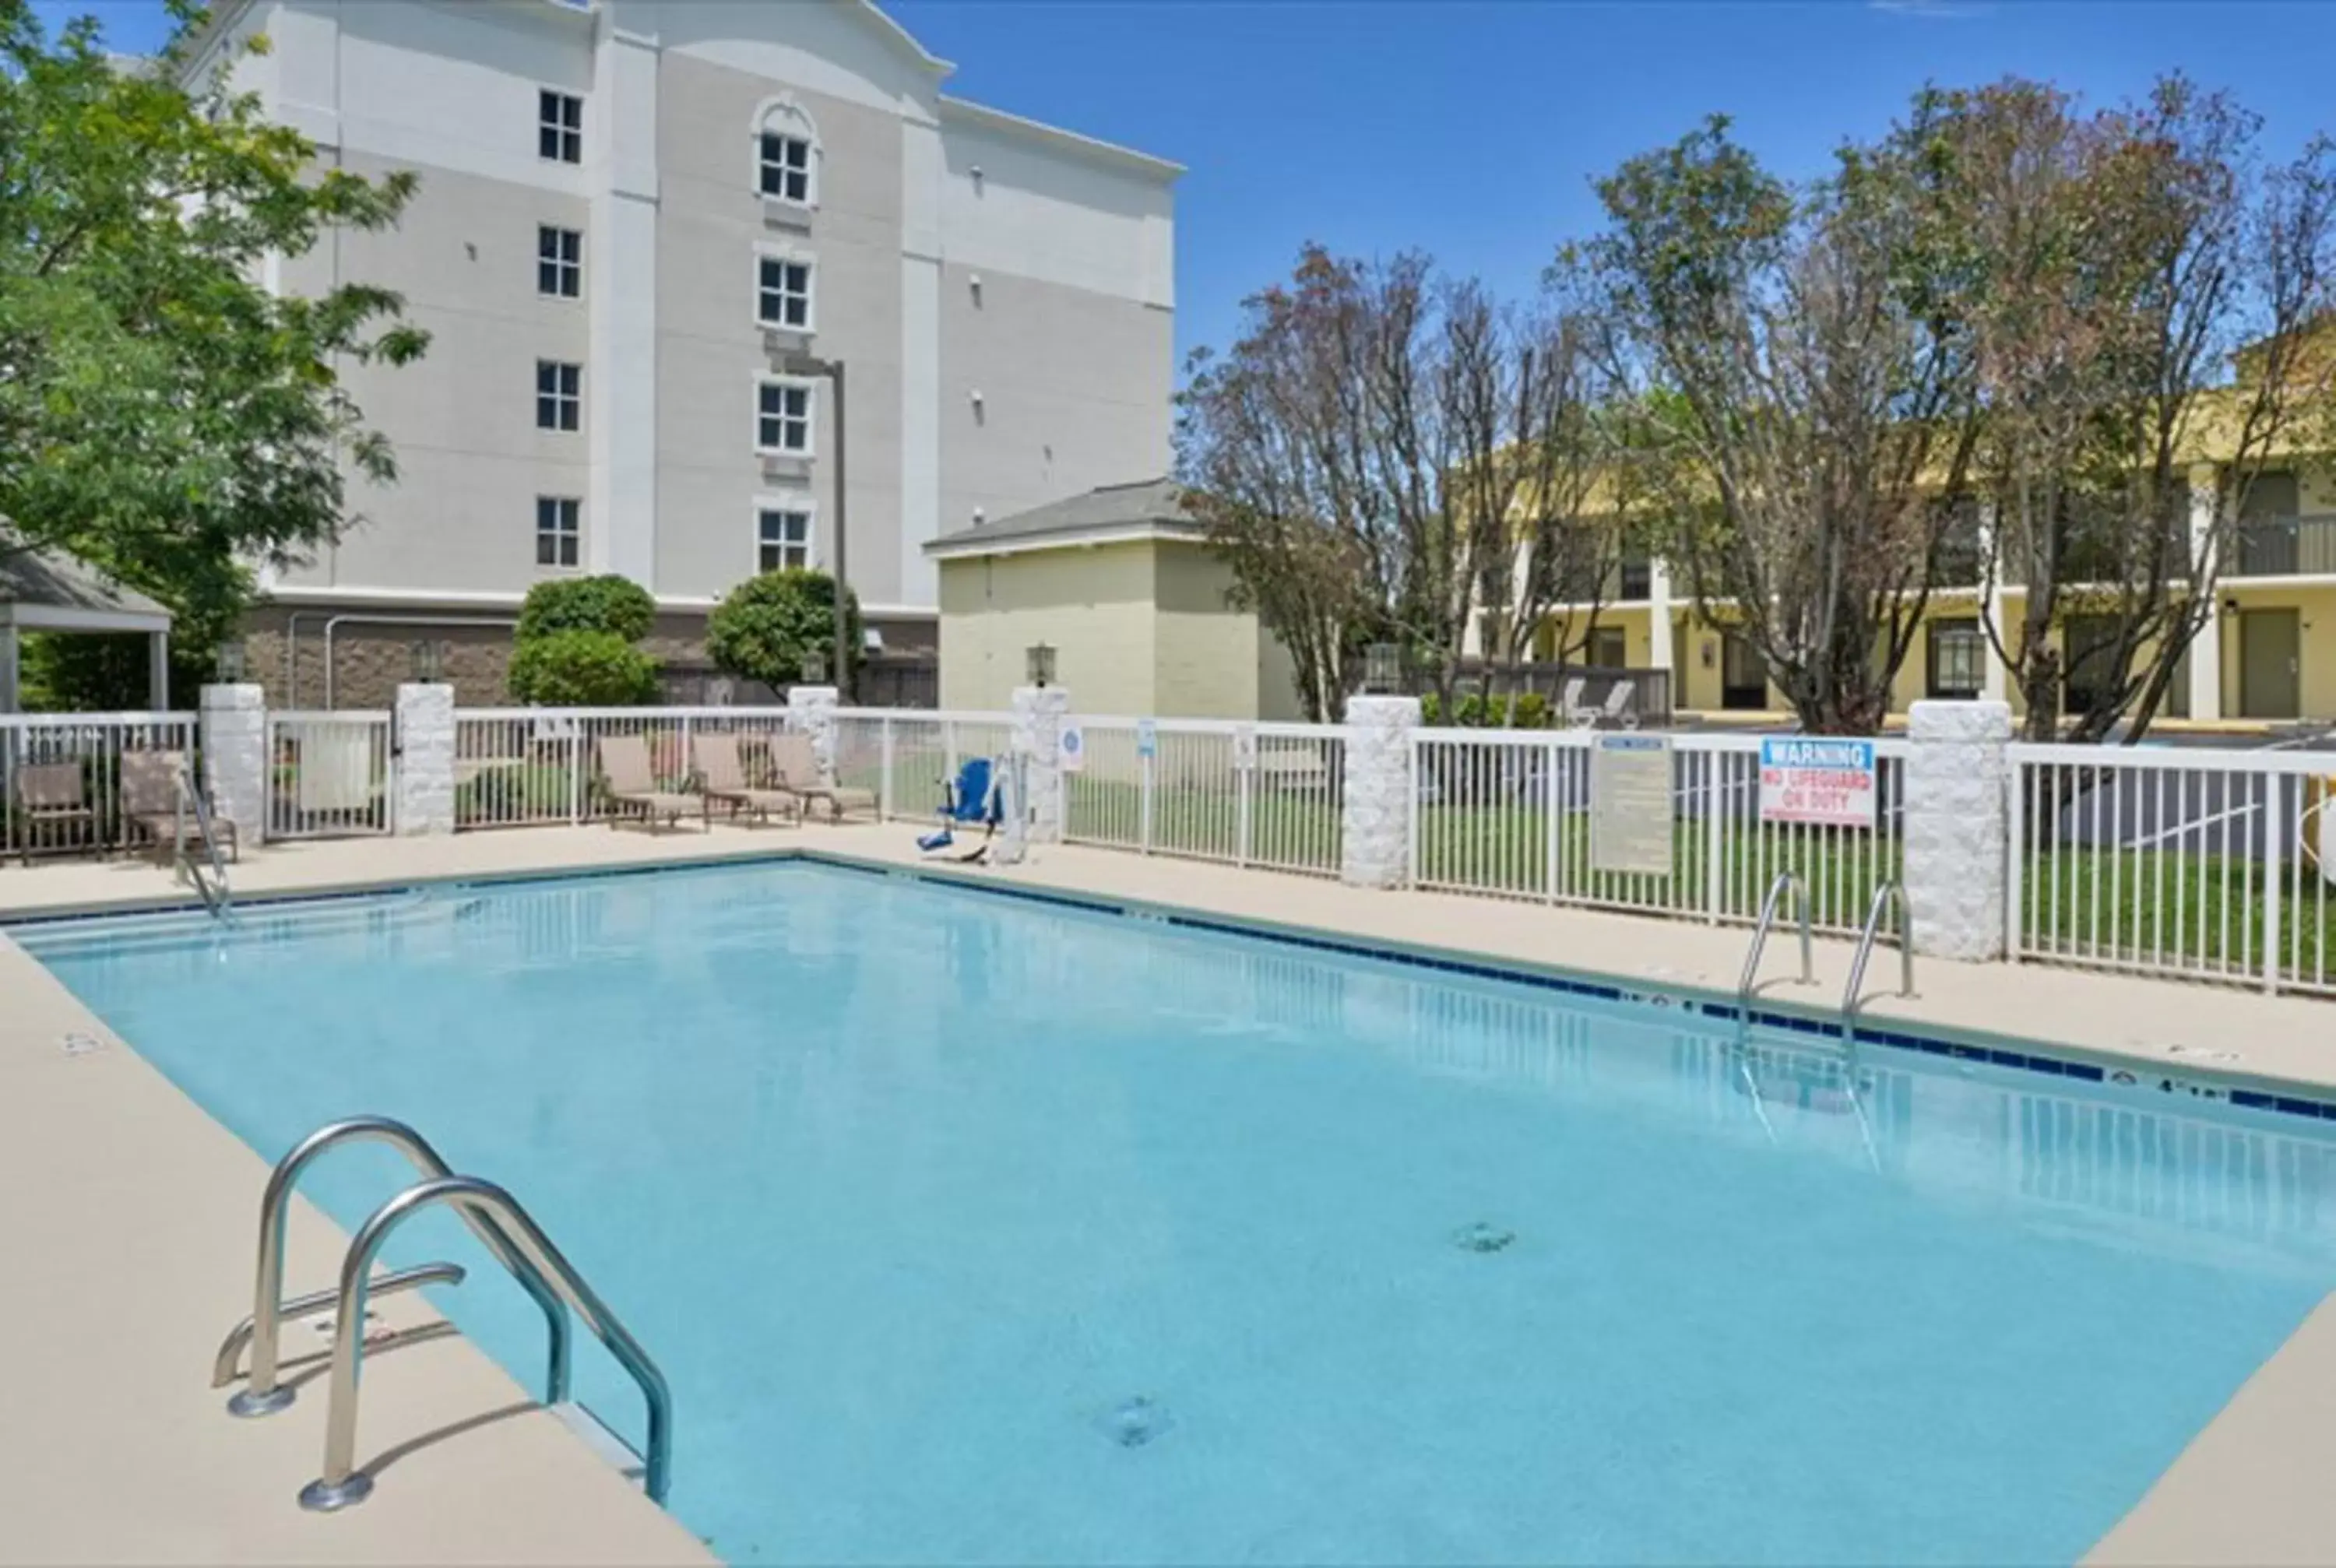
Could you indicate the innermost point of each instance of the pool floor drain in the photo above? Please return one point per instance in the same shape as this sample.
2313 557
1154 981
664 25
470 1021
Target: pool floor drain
1482 1237
1136 1422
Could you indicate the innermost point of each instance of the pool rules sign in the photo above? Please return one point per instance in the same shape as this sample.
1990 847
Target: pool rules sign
1818 781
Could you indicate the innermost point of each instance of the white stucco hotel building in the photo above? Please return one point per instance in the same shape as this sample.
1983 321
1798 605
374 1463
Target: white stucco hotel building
634 216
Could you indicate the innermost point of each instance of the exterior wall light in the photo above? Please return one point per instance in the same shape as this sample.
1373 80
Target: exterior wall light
1382 667
1038 663
230 661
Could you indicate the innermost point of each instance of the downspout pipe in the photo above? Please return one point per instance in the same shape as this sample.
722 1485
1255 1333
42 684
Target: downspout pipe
338 621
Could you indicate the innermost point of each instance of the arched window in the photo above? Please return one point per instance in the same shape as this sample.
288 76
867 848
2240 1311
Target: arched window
786 153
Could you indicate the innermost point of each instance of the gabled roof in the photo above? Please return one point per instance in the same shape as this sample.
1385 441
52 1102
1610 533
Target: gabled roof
48 588
1148 509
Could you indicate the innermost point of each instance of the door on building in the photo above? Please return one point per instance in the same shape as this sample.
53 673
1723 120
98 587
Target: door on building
2270 653
1743 684
1607 646
2089 676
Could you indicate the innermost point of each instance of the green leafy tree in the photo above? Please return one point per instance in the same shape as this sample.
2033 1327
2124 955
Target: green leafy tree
767 625
161 413
613 604
582 669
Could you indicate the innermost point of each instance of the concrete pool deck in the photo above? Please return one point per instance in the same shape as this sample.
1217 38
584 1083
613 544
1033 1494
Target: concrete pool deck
135 1211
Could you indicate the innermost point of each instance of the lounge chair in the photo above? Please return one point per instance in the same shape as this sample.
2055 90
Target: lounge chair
1618 706
795 768
1571 709
150 803
971 797
721 776
50 797
627 780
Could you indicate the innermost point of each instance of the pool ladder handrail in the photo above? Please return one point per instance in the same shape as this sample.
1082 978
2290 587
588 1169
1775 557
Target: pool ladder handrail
342 1483
262 1395
1786 881
1889 893
214 894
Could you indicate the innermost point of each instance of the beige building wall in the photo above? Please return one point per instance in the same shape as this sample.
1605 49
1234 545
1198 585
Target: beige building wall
1094 607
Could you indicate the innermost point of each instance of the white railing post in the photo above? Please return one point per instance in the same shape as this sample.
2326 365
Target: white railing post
2015 853
1143 799
1954 852
1719 816
1037 737
426 763
235 757
575 773
1377 816
2275 881
884 807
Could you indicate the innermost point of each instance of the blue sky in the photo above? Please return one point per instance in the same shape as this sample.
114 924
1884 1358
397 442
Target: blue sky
1473 129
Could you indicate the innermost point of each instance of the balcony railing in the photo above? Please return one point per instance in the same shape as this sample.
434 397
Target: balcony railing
2286 546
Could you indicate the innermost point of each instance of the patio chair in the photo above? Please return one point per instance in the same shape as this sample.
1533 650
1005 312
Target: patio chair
150 804
627 780
721 776
1571 709
1618 706
795 768
50 795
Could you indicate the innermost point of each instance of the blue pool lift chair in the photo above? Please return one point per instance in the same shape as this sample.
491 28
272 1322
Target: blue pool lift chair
972 797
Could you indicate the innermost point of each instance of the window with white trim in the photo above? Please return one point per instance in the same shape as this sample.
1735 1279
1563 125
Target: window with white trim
786 167
782 421
560 127
558 396
783 292
558 529
558 261
781 538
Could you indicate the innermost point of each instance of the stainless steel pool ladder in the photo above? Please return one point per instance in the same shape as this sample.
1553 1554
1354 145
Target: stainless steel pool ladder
1786 881
509 1233
214 892
1888 894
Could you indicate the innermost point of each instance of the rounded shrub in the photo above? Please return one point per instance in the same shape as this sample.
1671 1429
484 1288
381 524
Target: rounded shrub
768 624
615 604
582 669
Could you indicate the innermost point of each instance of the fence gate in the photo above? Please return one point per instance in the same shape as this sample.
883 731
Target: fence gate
329 775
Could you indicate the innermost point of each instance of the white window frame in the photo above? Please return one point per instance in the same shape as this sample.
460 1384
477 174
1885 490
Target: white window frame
786 256
798 504
782 116
573 537
571 136
809 389
562 398
562 267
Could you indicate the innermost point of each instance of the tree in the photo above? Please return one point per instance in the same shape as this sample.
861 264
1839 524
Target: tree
766 626
1807 400
161 414
1387 453
2118 260
610 603
578 668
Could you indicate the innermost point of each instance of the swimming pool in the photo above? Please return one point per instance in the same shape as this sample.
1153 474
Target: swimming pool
974 1229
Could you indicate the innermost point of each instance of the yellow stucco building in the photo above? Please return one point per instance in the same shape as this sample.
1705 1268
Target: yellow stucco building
1120 582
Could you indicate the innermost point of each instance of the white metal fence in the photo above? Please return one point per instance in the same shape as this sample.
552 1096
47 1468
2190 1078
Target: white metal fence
1262 794
2205 865
61 777
526 767
907 756
329 773
1507 813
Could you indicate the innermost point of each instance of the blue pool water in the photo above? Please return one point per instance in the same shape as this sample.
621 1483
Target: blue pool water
974 1231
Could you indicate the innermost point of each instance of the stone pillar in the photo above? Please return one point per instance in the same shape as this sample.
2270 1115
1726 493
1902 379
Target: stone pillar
2206 648
235 757
811 710
1038 715
425 760
1375 808
1954 834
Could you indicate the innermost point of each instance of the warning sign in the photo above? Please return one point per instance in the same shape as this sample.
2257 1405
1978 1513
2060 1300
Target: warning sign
1824 783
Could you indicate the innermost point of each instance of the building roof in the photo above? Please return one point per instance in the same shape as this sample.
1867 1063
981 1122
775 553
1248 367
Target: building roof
50 590
1148 509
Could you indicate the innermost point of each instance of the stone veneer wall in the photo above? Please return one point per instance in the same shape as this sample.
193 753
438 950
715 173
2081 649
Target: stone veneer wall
1954 849
1375 814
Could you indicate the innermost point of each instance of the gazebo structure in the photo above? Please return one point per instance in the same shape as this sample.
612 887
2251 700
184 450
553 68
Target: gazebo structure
43 590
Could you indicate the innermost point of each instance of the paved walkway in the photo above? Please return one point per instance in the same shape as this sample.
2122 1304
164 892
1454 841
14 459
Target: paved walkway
119 1451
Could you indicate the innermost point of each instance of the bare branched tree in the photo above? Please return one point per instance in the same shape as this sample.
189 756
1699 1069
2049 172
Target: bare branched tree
1808 402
